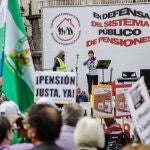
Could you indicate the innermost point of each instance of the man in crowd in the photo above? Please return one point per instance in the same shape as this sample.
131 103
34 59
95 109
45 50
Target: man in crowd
59 62
43 126
71 113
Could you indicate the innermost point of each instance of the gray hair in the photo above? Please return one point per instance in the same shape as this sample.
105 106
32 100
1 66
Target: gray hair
89 133
71 113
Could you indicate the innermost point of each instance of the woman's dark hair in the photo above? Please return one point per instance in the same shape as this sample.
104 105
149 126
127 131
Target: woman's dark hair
5 126
91 51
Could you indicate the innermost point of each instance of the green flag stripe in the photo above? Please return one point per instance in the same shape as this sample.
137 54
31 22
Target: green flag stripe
24 96
18 70
16 14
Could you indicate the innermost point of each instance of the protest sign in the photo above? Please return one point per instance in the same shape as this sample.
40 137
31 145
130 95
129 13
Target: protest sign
139 104
102 103
121 105
60 87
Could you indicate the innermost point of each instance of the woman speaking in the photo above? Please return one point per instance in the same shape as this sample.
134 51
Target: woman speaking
92 72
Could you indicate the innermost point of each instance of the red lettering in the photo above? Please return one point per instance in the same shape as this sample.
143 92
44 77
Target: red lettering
96 24
91 42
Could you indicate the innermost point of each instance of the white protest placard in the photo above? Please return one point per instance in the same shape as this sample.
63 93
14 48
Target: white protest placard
139 104
59 87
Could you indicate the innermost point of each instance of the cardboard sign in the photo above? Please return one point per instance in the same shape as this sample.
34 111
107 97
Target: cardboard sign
60 87
102 103
121 105
139 104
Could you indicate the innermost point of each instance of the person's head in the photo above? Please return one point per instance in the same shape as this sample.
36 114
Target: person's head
109 121
61 53
9 108
5 131
91 53
45 100
78 90
71 113
44 123
136 147
89 133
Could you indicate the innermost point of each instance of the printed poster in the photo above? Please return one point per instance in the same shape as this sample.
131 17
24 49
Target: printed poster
102 103
121 104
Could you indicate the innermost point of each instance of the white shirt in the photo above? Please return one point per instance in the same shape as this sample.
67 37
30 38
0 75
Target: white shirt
91 67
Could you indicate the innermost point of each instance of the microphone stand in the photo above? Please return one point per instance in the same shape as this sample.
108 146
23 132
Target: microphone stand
77 68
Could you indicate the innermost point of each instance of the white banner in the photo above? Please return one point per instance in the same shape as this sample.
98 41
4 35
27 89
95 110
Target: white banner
139 104
119 33
59 87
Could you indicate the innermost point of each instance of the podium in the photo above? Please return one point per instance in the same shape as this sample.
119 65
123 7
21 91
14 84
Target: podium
103 64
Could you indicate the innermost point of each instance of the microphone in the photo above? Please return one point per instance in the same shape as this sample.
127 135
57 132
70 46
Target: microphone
77 55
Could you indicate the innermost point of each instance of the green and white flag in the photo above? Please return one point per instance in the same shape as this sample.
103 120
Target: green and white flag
2 32
18 70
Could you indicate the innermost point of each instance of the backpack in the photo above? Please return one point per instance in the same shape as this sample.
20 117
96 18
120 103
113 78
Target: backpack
115 140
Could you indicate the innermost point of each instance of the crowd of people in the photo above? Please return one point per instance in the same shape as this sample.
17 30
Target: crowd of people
46 127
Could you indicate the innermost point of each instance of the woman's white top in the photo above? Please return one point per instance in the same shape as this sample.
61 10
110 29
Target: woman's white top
91 67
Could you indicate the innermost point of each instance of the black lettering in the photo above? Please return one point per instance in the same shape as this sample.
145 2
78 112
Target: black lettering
40 92
147 16
96 15
37 93
123 12
139 14
127 32
46 92
62 80
69 93
41 79
51 80
120 33
37 80
73 93
66 80
57 80
65 92
72 80
104 16
46 79
136 32
56 93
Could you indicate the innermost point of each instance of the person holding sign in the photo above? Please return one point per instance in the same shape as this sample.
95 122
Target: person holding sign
59 62
92 73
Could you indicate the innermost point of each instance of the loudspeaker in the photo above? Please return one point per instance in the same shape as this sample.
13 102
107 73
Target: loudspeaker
146 74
